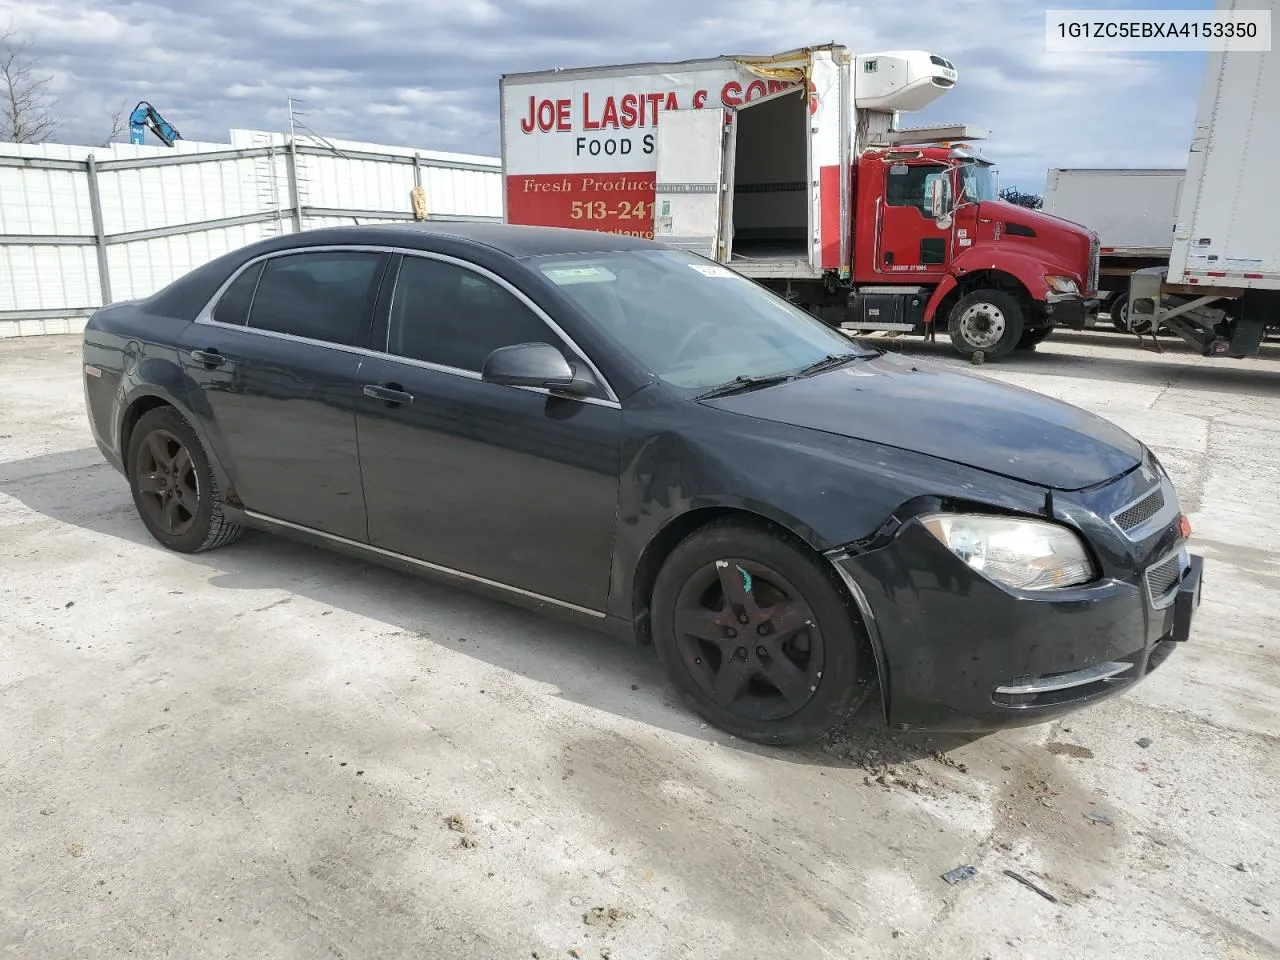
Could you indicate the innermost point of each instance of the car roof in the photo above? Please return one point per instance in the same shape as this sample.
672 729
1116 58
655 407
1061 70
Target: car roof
514 240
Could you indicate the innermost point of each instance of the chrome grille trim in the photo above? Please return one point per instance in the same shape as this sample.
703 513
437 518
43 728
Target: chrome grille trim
1142 511
1095 258
1142 516
1163 577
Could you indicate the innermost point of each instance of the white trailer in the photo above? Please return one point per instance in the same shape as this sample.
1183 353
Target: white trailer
584 148
1221 289
1134 213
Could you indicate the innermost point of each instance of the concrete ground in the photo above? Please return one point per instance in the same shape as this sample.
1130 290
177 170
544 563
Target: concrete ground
272 751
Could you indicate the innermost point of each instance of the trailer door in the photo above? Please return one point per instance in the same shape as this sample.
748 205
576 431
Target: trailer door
689 150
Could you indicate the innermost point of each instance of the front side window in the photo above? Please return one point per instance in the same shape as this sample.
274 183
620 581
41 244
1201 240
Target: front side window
444 313
908 186
322 295
690 322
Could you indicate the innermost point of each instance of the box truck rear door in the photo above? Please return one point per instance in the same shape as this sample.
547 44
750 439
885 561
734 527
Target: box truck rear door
689 150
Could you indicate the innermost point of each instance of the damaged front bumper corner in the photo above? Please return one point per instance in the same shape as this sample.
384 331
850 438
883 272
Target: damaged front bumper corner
1072 310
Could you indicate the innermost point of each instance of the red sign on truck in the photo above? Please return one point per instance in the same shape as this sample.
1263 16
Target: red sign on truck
579 145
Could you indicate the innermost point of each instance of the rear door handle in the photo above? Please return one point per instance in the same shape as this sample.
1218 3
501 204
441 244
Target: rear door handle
210 358
389 392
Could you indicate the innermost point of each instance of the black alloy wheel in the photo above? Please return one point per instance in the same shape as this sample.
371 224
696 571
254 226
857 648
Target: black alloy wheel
167 484
173 485
749 639
754 632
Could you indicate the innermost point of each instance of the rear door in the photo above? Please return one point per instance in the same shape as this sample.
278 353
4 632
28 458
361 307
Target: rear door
272 372
689 152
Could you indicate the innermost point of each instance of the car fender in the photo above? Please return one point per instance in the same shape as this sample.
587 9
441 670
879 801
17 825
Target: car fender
827 494
1027 270
157 374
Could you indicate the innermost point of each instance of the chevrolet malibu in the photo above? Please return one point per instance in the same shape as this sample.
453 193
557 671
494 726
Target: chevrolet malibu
646 441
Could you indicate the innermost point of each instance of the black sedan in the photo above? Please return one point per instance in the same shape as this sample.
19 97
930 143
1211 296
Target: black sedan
640 438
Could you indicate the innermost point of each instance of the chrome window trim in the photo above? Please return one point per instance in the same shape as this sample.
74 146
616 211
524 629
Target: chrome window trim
438 568
205 316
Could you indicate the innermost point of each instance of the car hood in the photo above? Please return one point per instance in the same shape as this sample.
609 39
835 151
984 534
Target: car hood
968 419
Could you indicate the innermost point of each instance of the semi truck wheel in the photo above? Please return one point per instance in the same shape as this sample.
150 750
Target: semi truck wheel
1120 311
986 321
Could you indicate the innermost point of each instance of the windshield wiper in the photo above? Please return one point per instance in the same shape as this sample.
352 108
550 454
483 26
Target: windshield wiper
742 383
829 361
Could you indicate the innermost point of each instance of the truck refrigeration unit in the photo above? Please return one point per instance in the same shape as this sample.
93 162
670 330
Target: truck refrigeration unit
791 169
1221 289
1134 213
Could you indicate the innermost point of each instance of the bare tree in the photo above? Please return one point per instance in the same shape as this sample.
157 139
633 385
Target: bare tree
119 119
26 106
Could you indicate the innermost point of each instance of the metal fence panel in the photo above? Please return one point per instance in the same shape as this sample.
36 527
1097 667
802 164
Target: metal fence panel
161 211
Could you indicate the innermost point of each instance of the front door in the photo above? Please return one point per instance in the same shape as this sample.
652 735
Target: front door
272 374
689 152
911 245
510 485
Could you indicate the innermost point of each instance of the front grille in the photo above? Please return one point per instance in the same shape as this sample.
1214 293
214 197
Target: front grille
1163 578
1095 255
1142 511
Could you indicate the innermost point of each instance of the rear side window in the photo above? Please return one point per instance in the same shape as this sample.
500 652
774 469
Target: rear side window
321 296
233 307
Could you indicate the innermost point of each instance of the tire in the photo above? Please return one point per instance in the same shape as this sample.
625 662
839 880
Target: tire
989 322
1119 310
817 643
1030 339
173 486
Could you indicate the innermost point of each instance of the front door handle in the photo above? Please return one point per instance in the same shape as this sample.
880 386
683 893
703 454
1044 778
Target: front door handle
391 393
210 358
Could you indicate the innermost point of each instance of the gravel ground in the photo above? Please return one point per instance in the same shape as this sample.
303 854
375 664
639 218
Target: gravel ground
273 751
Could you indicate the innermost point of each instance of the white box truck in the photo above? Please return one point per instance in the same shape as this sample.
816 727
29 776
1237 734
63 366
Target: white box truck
792 169
1221 289
1134 213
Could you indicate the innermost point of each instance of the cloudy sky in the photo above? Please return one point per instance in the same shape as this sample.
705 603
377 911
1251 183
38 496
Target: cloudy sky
424 73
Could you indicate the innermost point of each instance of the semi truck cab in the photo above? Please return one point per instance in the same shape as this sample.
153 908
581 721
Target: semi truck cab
934 245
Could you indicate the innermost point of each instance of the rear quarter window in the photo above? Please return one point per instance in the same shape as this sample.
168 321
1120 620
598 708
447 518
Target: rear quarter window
233 305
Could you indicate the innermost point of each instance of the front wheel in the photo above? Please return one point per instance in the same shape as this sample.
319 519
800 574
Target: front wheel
756 637
989 322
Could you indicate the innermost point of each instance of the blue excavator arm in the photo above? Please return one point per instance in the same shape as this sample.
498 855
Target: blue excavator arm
146 117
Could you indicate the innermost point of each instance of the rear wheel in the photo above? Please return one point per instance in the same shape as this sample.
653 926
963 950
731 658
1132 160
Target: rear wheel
989 322
173 485
1120 311
756 637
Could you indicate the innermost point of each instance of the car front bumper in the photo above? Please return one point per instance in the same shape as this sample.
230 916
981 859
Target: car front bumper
957 652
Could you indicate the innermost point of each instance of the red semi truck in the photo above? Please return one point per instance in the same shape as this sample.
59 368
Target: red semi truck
791 169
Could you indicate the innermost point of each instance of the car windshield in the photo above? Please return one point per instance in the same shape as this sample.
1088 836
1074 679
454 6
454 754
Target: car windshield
979 182
691 322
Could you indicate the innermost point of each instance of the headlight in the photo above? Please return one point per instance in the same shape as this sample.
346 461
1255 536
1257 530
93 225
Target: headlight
1062 284
1023 554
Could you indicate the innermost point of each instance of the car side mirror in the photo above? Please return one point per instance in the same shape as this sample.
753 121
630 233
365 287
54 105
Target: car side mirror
536 365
